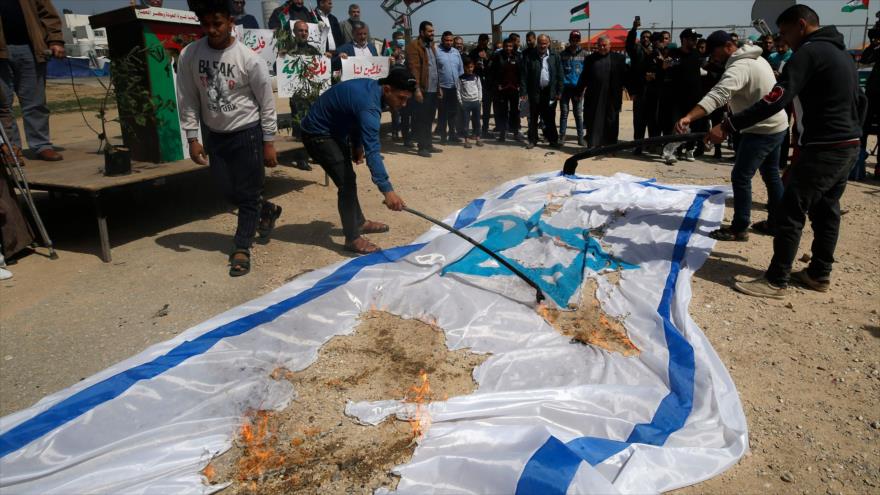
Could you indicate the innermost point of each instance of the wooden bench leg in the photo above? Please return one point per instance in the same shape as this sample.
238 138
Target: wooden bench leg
103 234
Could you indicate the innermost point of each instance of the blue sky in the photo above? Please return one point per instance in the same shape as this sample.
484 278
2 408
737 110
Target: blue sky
464 16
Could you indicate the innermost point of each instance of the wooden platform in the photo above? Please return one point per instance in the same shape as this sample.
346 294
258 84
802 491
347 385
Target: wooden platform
82 171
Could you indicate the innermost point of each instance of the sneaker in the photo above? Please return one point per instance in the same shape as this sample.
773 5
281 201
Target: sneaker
689 156
669 153
760 287
479 143
5 274
302 165
581 141
424 153
804 278
467 145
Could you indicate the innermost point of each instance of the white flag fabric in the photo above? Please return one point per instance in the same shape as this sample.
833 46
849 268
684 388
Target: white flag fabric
365 67
548 416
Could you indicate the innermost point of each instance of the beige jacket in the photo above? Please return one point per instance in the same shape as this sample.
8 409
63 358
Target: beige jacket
43 26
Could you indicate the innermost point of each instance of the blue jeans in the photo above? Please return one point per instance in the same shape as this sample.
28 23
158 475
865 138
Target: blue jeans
21 75
756 152
568 97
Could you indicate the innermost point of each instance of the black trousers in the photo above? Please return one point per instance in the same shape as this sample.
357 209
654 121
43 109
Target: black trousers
640 114
422 118
545 108
651 109
447 118
815 186
507 111
488 97
335 158
236 163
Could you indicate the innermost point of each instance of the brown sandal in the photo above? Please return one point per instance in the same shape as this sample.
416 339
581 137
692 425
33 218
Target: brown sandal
371 227
361 245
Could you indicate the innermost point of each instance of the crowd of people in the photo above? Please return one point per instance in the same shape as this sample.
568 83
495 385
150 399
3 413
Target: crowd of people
744 93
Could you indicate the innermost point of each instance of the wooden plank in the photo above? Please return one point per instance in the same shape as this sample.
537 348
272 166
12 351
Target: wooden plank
82 169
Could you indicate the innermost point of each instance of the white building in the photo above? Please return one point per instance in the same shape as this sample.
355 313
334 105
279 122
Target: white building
79 37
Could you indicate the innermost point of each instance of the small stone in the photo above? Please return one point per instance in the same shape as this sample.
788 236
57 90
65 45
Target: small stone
7 358
789 305
787 477
876 425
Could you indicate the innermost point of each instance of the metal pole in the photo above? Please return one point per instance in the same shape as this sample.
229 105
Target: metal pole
539 295
672 19
865 35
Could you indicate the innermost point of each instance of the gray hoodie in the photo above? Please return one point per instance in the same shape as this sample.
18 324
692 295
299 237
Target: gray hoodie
747 78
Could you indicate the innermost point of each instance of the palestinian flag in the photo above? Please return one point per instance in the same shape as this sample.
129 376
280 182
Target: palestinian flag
582 12
855 5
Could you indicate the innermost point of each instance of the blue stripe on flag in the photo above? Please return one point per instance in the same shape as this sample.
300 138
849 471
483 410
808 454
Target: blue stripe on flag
469 213
553 466
114 386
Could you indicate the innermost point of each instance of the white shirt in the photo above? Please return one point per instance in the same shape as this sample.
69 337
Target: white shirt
331 43
362 51
545 69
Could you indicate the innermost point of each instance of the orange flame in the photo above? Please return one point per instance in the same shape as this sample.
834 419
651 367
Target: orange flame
259 456
421 396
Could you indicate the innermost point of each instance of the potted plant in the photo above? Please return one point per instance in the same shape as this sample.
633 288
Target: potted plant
134 104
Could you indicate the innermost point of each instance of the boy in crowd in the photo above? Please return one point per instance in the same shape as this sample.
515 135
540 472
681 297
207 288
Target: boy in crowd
226 87
470 97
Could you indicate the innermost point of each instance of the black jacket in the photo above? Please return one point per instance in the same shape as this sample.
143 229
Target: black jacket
821 80
872 56
334 29
684 75
504 72
530 84
638 63
294 14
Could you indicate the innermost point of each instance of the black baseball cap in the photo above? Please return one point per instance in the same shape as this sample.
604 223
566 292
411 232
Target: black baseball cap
689 33
400 78
716 40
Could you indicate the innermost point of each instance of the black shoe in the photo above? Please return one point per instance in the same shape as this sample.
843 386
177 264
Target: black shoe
434 149
424 153
302 165
557 145
454 140
443 141
409 144
501 138
581 142
486 135
638 152
530 145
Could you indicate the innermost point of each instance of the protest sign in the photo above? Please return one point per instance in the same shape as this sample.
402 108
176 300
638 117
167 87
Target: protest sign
302 75
365 67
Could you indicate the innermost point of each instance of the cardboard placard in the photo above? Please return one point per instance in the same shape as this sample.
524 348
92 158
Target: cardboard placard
261 41
365 67
297 74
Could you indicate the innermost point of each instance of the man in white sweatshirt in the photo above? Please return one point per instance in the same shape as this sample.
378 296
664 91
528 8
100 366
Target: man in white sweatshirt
225 86
747 78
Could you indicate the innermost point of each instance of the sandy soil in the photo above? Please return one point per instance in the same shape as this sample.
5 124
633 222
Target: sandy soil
807 368
313 447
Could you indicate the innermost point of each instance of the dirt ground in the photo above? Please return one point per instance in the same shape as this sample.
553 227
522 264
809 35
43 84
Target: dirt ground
807 368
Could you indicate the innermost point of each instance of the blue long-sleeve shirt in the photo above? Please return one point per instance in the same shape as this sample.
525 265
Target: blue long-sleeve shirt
450 66
352 110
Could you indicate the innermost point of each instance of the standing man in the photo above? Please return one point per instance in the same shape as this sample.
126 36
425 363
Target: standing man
504 74
360 45
421 56
746 79
293 10
655 73
603 77
243 19
458 43
224 88
686 88
449 62
299 107
400 119
324 15
347 26
572 66
542 82
344 125
31 32
481 55
822 82
639 55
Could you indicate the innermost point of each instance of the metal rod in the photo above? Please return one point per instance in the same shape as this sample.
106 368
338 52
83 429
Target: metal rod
572 162
539 294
